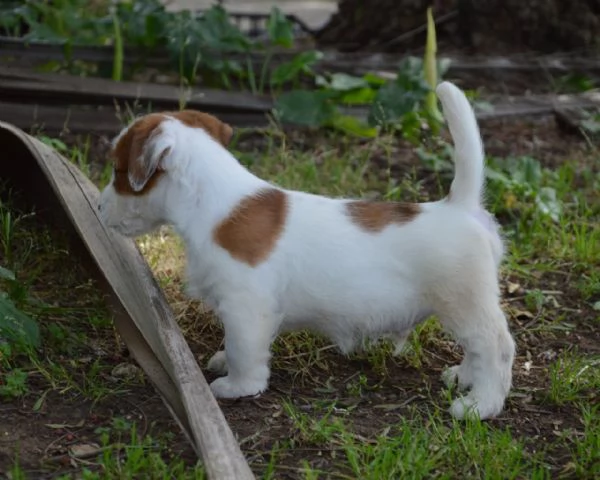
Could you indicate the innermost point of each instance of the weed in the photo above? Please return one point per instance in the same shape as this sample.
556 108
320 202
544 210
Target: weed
572 377
14 383
586 453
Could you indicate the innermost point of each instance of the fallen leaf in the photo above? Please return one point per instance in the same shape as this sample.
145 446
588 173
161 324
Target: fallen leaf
58 426
84 450
522 313
512 287
125 370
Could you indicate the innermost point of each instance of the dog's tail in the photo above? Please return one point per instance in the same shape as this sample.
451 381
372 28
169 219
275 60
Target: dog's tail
467 186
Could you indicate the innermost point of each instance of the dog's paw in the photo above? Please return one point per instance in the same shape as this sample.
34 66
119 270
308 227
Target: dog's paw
464 407
456 374
224 388
218 363
469 407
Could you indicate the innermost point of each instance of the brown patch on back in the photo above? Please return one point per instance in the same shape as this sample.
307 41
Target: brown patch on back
252 229
375 216
129 148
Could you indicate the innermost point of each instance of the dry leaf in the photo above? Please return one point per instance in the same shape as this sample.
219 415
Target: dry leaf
512 287
58 426
84 450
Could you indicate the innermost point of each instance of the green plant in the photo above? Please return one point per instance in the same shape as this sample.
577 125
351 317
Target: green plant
573 376
13 383
430 62
392 104
523 177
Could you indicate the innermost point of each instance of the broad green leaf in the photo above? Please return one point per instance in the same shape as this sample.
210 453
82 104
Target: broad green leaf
497 176
344 82
526 171
6 274
374 80
303 107
15 326
280 29
391 104
286 72
548 204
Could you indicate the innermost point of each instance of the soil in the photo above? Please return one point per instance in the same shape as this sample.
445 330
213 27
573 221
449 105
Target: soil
43 437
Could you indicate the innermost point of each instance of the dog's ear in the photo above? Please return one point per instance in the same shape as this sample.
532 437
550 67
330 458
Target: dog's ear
147 157
225 133
219 130
141 150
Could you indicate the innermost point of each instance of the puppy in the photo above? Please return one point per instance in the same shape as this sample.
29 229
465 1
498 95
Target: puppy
270 260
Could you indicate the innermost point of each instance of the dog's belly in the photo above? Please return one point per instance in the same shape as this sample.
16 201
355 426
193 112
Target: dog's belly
350 317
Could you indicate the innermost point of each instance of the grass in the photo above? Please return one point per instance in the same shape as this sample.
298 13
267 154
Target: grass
371 415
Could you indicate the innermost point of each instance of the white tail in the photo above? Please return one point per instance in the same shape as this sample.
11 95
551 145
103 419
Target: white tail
467 186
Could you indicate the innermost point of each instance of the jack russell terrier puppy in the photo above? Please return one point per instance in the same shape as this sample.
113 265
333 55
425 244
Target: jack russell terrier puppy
270 260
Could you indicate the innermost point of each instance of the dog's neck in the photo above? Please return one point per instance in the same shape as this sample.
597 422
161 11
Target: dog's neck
205 187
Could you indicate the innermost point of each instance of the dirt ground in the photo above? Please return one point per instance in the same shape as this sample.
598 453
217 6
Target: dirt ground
43 436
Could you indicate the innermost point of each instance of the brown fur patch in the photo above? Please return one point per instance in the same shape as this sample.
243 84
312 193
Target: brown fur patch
217 129
252 229
375 216
129 148
130 145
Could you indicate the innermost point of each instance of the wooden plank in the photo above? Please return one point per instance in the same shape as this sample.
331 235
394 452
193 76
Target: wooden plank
332 60
21 49
79 119
98 91
142 313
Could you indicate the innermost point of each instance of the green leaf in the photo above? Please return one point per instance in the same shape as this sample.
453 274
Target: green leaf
497 176
391 104
353 126
361 96
526 171
15 383
6 274
374 80
303 107
301 63
344 82
548 204
15 326
280 29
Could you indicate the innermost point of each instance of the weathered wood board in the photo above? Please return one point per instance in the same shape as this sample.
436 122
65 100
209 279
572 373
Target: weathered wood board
141 312
24 52
94 105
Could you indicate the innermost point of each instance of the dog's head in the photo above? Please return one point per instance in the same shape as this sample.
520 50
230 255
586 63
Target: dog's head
146 155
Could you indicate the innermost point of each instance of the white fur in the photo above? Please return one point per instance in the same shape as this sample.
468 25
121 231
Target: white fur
329 275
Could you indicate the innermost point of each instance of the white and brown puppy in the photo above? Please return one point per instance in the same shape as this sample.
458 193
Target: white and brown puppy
270 260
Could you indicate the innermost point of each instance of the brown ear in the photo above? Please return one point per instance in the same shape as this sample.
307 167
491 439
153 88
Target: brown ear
139 153
225 134
217 129
144 164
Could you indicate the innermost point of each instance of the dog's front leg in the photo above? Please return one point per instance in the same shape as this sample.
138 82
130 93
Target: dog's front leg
249 330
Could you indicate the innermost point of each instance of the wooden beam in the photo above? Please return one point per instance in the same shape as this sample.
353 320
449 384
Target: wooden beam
71 90
141 312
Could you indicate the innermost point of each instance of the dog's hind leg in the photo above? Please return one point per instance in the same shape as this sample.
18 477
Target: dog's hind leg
482 330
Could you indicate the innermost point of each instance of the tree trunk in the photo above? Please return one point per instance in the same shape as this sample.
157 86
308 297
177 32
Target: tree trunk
490 26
